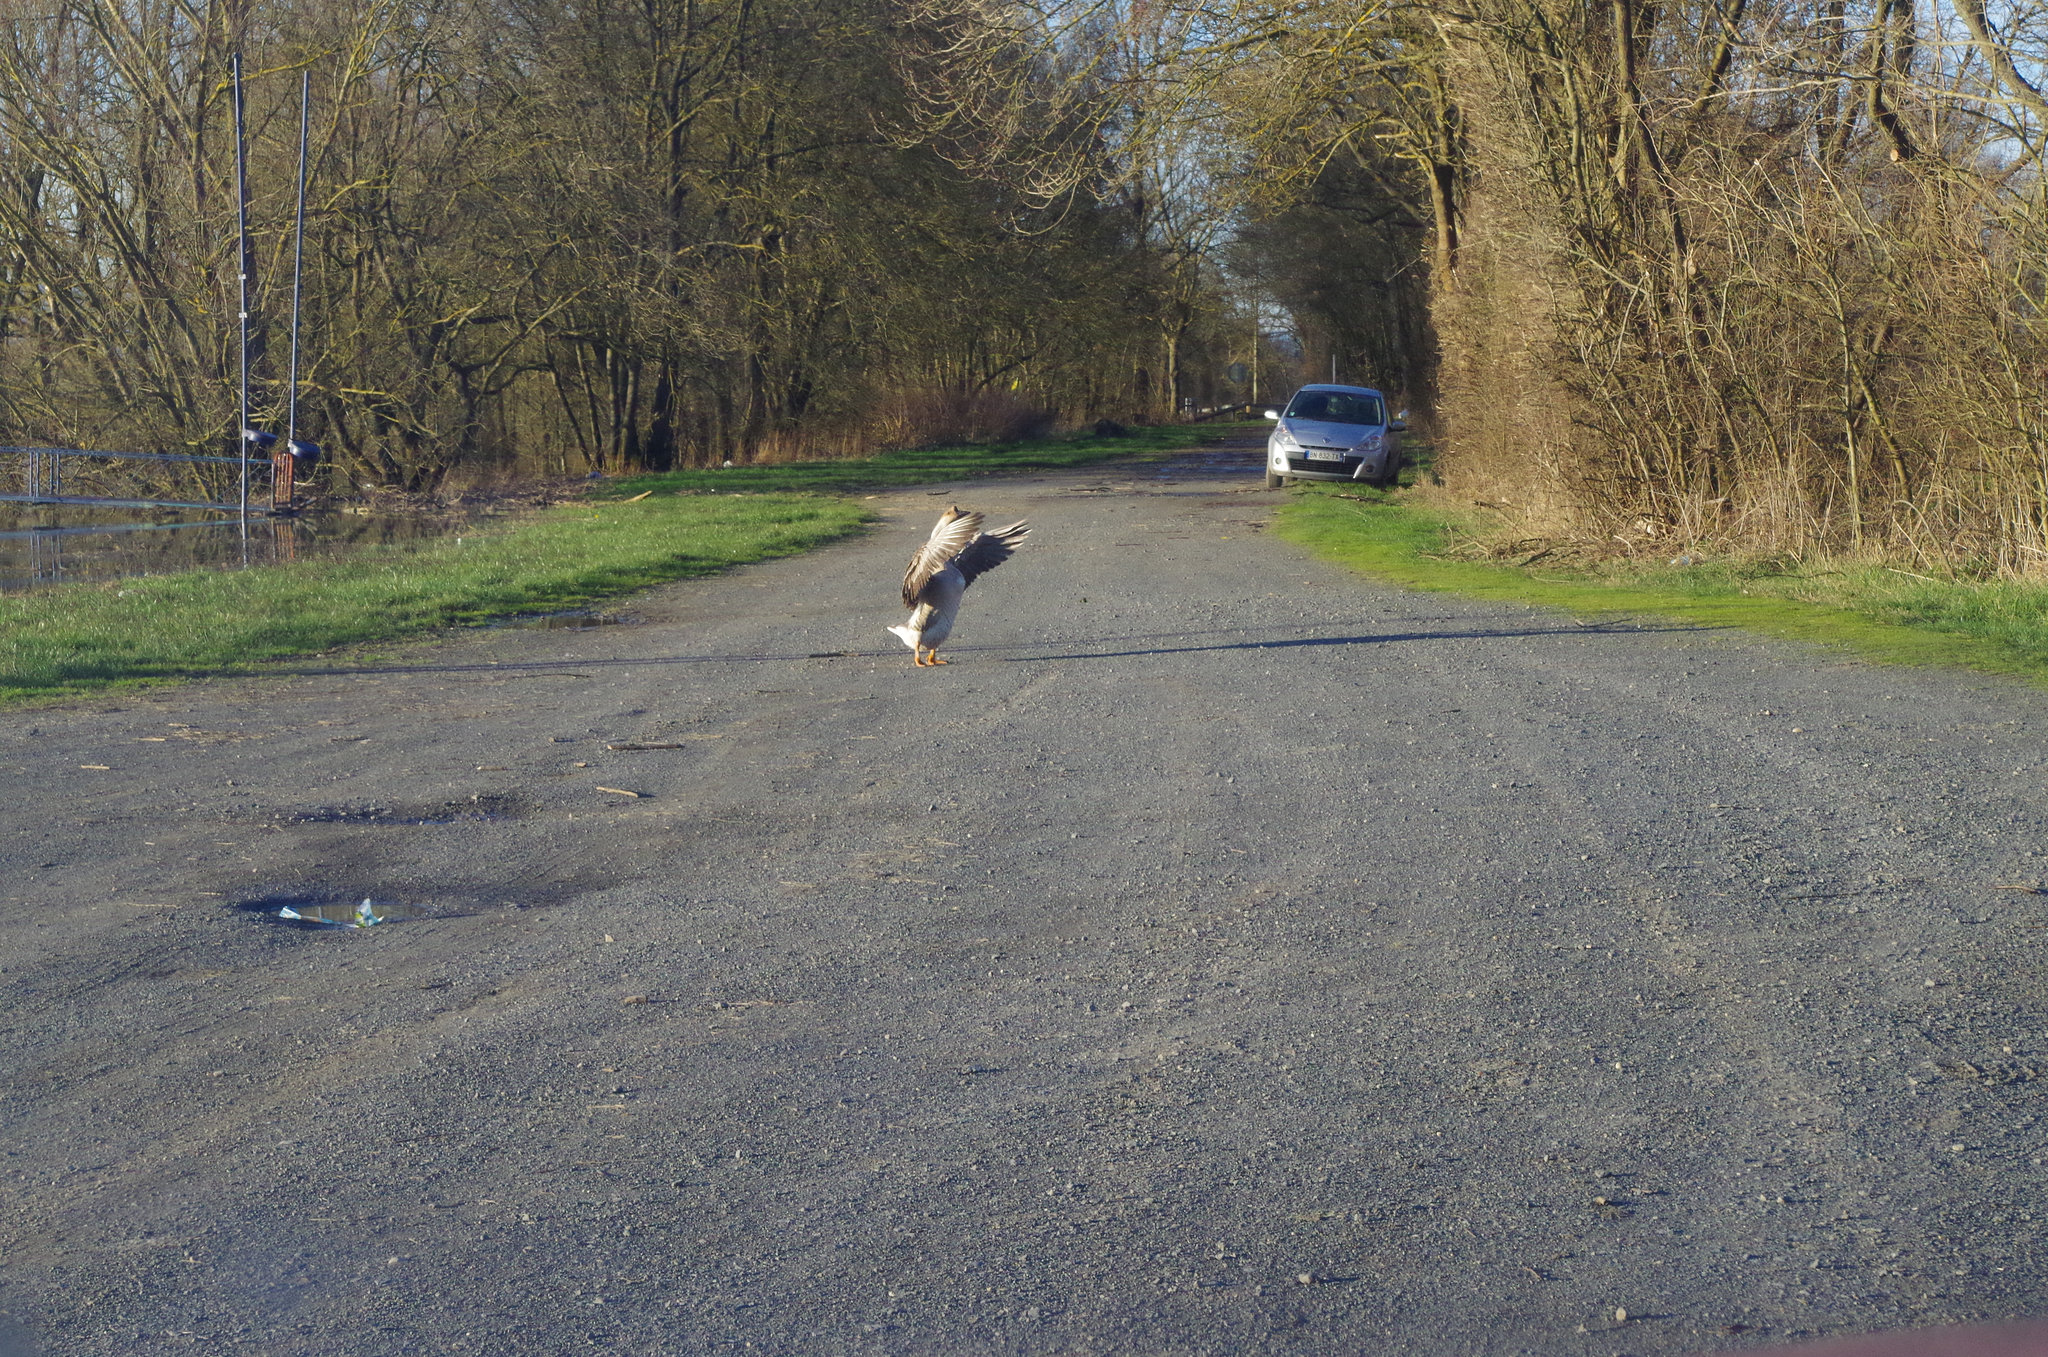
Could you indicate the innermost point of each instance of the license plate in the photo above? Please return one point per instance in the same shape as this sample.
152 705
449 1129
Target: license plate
1325 455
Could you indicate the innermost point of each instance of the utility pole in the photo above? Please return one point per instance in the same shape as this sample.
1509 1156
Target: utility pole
284 461
1255 353
242 261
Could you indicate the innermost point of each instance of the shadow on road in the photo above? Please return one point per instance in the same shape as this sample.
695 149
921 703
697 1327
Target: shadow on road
1384 639
1251 641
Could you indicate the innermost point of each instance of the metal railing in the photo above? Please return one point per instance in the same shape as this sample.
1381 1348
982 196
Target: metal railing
1242 409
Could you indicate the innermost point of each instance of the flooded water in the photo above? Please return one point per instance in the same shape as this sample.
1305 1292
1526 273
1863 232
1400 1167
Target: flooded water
42 545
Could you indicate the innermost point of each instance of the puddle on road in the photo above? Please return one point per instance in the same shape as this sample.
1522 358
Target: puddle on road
570 621
1214 464
323 907
305 911
476 810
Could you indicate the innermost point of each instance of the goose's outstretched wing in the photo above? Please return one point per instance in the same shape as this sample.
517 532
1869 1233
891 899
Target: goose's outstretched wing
990 550
954 531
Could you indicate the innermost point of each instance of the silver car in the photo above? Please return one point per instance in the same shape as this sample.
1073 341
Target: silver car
1333 433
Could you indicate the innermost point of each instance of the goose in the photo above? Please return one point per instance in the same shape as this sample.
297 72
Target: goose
957 553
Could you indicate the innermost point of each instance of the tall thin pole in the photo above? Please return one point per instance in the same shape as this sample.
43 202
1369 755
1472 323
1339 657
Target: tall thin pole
242 270
1255 353
291 410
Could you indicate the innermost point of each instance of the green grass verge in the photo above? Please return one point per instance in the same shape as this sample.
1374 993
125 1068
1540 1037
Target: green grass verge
921 466
1873 611
80 638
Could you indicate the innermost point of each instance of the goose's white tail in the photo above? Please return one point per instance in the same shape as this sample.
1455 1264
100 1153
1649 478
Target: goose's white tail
906 635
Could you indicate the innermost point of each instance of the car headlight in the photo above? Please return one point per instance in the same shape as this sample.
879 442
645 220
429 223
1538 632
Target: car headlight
1285 441
1368 444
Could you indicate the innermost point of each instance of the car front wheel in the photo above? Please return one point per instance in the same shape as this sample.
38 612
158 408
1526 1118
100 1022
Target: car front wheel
1274 480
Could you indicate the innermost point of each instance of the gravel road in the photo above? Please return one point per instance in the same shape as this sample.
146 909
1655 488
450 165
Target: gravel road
1224 954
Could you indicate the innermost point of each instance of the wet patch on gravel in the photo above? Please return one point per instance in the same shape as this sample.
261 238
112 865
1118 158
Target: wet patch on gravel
476 810
578 620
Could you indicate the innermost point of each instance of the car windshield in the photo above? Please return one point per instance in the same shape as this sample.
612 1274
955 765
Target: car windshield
1337 407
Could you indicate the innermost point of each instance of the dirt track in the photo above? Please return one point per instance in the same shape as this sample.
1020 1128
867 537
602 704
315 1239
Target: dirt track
1223 954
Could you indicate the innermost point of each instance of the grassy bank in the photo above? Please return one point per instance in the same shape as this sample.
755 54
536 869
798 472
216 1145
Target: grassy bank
919 466
1872 610
78 638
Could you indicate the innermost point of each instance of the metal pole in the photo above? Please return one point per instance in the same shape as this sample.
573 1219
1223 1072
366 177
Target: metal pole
285 463
242 271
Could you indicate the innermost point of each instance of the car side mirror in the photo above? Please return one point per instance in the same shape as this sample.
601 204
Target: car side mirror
1398 426
1272 414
